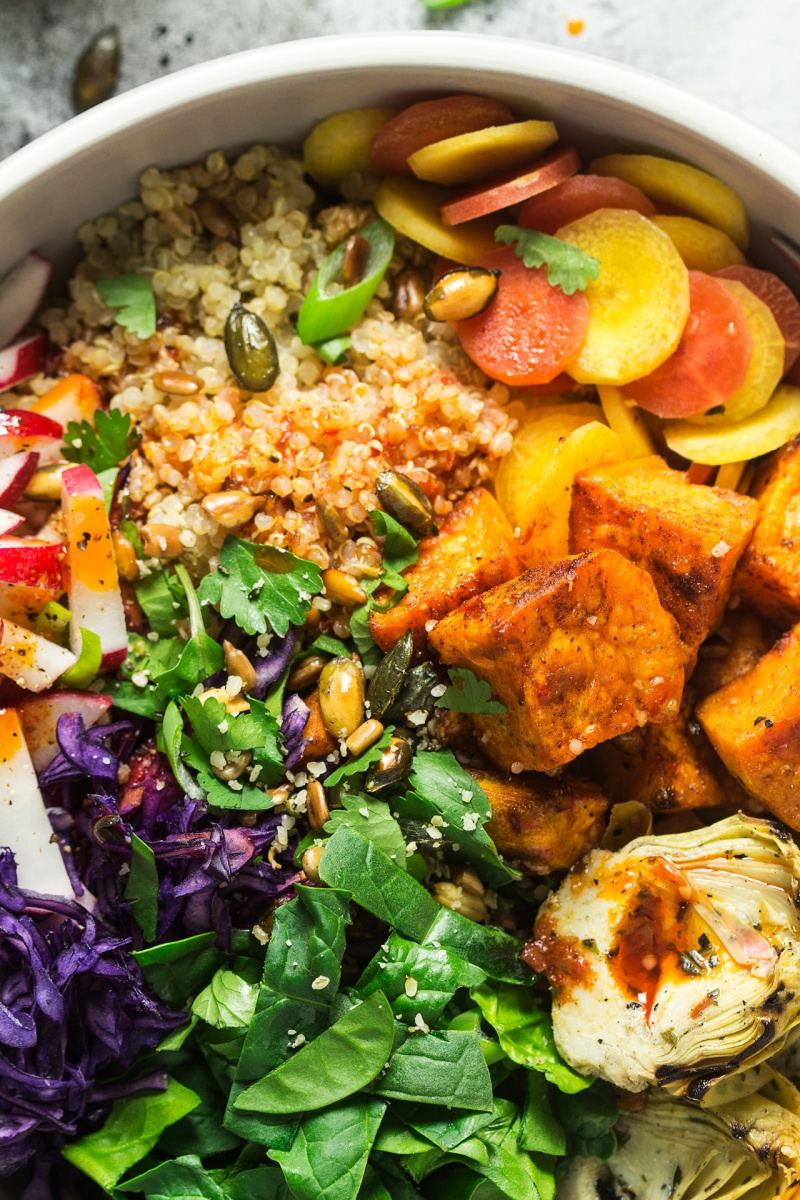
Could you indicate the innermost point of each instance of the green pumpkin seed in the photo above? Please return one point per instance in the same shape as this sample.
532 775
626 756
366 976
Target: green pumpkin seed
251 350
388 679
460 294
415 695
96 72
393 766
405 500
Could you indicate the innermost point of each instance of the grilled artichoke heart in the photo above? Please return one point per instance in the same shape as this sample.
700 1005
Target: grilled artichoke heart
749 1149
675 961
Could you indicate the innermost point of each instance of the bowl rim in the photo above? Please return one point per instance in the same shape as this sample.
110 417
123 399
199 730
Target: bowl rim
629 86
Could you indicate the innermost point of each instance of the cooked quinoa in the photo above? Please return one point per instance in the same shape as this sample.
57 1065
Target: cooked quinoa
408 397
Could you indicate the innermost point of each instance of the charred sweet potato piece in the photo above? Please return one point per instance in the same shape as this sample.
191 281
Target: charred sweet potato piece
474 551
319 742
753 724
768 577
739 642
543 824
688 537
578 650
665 767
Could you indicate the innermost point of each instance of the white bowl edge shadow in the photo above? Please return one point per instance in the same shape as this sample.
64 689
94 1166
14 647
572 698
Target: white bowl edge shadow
91 163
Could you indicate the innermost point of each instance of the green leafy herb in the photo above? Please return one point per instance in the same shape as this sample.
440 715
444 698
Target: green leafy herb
328 1156
172 736
261 587
85 670
141 889
359 626
219 732
130 1131
568 267
374 819
108 444
468 694
589 1120
360 763
108 482
340 1061
176 970
133 295
229 1000
200 657
541 1129
526 1032
517 1173
162 600
399 551
325 644
182 1179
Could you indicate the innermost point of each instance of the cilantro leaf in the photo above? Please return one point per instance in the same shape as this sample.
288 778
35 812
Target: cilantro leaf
399 551
162 601
201 655
261 587
568 267
468 694
105 446
220 732
133 295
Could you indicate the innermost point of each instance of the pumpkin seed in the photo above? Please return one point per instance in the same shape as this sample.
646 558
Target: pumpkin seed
386 683
96 73
331 521
405 500
460 294
251 350
341 697
306 673
393 766
416 695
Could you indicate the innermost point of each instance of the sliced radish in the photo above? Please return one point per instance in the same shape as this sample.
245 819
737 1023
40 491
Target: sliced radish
21 294
9 521
30 660
75 398
35 563
26 827
16 473
95 599
39 716
23 430
22 604
23 359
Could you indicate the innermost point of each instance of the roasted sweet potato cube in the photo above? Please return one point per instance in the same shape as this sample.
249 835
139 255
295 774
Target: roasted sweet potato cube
666 767
768 577
543 824
733 650
474 551
753 724
578 650
688 537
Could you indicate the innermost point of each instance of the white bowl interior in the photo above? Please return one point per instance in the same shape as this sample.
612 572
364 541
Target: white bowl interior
275 94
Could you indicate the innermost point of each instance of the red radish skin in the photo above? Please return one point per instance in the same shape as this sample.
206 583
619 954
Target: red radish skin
95 599
579 196
9 521
23 359
39 716
432 121
511 187
32 563
21 293
711 361
24 430
16 473
779 298
530 331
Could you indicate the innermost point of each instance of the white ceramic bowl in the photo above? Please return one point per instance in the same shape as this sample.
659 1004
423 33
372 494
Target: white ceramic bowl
276 93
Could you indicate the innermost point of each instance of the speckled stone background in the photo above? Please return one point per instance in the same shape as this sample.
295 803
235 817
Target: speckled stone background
741 53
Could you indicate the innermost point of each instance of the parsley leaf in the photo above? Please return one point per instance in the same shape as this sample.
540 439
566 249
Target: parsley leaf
220 732
568 267
133 295
105 446
162 601
468 694
261 587
399 551
201 655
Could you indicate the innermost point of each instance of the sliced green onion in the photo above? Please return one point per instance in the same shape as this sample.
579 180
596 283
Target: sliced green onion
334 350
326 313
53 622
86 668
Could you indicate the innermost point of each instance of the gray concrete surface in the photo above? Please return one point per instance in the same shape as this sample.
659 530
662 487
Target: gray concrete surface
740 53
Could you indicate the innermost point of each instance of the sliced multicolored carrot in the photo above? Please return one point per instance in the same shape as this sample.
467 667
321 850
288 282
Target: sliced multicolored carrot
95 600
